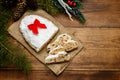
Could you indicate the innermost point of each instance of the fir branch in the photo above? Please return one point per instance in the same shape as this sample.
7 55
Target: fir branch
48 6
5 47
4 58
9 53
19 59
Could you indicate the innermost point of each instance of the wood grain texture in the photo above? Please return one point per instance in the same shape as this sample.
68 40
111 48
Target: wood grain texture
99 58
67 75
100 52
102 46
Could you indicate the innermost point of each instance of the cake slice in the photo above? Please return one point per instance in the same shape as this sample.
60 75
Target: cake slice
37 31
61 56
56 50
70 45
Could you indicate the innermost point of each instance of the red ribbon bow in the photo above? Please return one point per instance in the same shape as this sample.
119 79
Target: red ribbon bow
34 27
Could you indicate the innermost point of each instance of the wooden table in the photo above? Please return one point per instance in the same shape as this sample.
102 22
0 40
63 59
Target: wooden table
100 57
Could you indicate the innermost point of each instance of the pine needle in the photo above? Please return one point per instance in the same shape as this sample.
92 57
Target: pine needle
48 6
10 54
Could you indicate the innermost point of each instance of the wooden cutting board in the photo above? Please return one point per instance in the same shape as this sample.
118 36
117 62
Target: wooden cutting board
15 32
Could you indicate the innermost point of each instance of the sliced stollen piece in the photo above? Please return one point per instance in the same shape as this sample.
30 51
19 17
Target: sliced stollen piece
65 41
63 38
52 46
37 37
70 45
56 50
61 56
60 40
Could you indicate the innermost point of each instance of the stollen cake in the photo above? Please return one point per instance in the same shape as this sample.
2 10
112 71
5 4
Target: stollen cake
37 31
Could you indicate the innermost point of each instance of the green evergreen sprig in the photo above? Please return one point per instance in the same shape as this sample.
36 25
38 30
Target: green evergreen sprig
10 54
48 6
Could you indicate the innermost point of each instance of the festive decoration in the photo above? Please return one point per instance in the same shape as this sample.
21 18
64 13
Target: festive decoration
34 27
21 5
66 7
71 3
70 7
8 53
19 10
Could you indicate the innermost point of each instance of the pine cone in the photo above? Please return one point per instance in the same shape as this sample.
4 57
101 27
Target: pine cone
20 9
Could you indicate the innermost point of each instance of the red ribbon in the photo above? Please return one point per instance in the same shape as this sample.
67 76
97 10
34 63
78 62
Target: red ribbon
34 27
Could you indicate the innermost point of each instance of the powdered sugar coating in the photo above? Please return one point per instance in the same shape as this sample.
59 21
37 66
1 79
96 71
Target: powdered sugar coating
44 35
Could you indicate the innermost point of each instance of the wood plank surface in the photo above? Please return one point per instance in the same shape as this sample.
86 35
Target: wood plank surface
101 38
100 52
67 75
99 59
